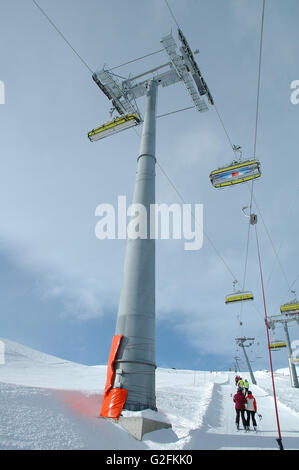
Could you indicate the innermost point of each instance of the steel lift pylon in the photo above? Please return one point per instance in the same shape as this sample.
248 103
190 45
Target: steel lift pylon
132 363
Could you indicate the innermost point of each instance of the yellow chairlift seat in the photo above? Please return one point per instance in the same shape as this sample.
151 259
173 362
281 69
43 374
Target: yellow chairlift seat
236 172
290 308
112 127
238 297
278 345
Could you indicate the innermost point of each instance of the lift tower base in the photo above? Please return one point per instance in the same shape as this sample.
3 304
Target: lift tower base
137 426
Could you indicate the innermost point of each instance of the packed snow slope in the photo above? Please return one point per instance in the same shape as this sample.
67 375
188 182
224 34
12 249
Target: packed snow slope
49 403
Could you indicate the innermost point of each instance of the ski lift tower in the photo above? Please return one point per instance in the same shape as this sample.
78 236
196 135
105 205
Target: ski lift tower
130 381
237 367
243 343
287 316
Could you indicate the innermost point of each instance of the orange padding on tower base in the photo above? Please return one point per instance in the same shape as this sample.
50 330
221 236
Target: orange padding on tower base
110 368
114 398
113 403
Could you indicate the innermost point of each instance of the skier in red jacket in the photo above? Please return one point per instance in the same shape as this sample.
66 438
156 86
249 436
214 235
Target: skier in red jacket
237 378
240 402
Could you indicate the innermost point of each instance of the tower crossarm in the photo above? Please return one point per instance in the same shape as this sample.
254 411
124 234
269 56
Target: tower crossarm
284 318
180 67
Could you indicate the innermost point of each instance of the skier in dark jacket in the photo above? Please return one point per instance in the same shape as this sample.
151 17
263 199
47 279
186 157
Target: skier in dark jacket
240 402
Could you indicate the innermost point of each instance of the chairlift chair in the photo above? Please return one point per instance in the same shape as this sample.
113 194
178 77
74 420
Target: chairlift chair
238 171
112 127
277 345
290 308
238 296
235 173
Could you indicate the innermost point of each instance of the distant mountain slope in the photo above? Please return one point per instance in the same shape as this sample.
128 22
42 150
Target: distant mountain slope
17 353
25 366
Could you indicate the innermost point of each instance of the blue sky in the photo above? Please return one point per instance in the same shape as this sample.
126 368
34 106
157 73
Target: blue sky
59 284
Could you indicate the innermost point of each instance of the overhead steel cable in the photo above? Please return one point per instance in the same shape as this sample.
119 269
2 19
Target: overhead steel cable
291 207
259 80
63 36
224 128
216 109
239 317
193 216
229 140
255 139
256 129
256 123
195 219
250 205
272 245
231 145
292 285
296 279
76 52
172 14
254 146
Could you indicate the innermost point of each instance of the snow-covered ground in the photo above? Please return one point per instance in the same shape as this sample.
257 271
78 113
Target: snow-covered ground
50 403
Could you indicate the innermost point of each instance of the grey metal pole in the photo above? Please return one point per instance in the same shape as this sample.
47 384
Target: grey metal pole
237 367
248 364
135 362
292 367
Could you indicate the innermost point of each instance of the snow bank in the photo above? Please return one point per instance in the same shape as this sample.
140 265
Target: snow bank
285 393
